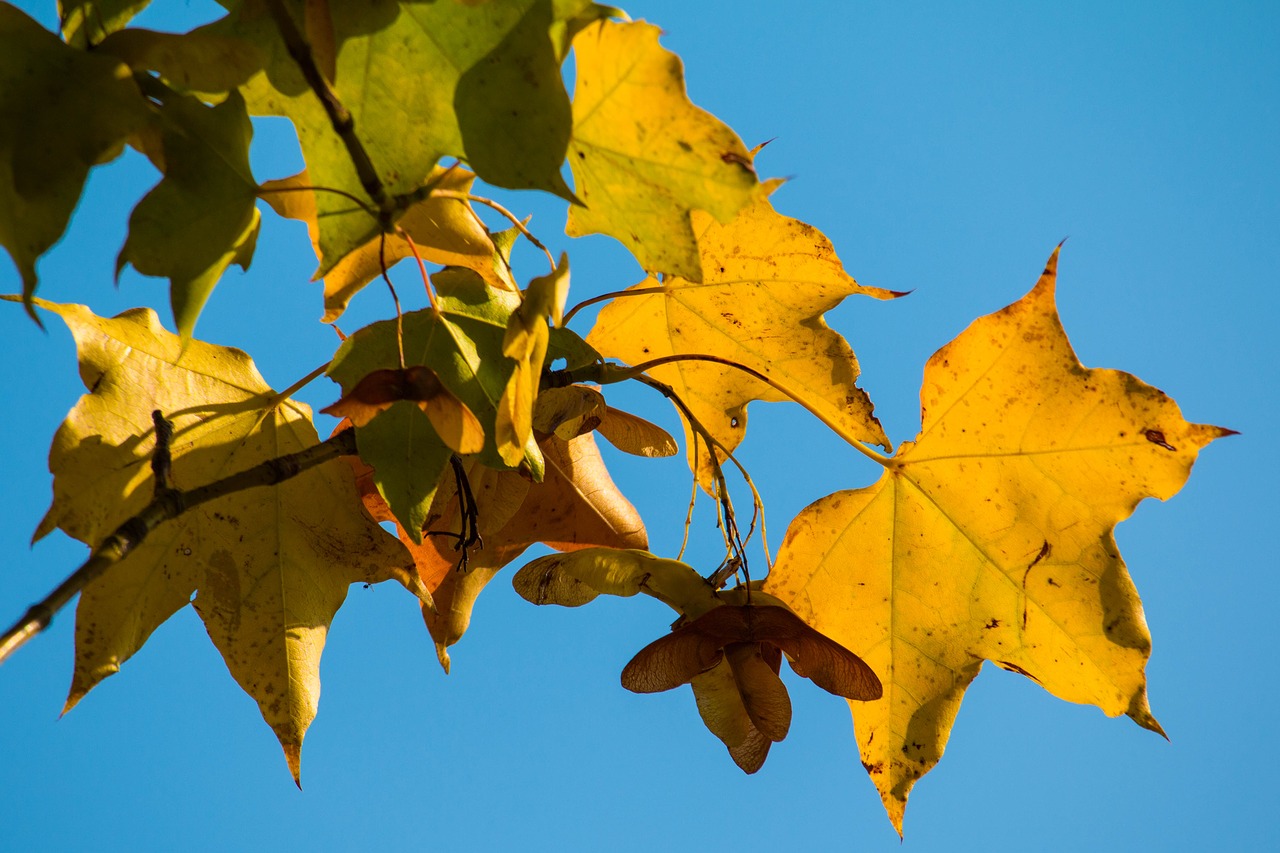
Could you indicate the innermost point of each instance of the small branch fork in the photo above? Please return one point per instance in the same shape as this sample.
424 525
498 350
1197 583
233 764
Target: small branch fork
168 503
468 511
735 542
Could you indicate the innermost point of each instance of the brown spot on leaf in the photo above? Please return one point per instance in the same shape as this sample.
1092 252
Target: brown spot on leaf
1156 437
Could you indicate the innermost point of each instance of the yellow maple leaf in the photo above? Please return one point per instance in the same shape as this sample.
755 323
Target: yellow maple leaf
766 282
991 538
525 342
642 155
269 567
445 230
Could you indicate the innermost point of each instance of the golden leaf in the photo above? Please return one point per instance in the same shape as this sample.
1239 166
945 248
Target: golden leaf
991 538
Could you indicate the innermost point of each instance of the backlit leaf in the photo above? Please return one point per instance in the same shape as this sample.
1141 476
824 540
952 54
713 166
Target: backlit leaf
481 82
445 231
65 111
766 282
201 217
268 566
643 156
991 538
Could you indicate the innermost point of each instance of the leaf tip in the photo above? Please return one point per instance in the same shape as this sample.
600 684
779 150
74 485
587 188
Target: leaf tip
293 756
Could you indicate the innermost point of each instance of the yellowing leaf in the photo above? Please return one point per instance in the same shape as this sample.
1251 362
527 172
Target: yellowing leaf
643 156
575 506
422 81
201 217
991 538
446 231
462 343
65 111
766 282
525 342
269 567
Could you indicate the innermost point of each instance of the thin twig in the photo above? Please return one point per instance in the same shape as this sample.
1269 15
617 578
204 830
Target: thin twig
301 383
166 505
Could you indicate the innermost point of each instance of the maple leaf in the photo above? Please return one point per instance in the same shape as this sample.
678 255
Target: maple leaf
446 231
991 538
269 567
525 342
461 345
476 81
65 111
643 157
378 391
575 506
201 217
766 282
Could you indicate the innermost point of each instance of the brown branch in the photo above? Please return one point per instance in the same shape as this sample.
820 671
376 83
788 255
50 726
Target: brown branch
339 116
167 504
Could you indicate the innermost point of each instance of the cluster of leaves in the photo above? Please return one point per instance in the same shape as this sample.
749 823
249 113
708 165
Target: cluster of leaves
989 537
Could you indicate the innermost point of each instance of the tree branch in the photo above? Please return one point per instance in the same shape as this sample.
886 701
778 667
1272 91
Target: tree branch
167 504
339 116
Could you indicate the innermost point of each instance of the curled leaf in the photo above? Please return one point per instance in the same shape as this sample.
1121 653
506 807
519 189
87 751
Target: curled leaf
526 342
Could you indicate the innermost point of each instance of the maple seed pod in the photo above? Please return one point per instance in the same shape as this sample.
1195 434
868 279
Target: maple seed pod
698 645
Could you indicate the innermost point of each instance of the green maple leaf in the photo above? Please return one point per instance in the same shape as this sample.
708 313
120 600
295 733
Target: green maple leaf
480 82
201 217
65 111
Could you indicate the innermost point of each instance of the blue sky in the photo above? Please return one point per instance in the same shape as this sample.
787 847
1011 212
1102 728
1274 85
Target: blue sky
945 149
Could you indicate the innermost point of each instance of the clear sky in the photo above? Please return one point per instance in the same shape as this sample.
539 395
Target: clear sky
945 148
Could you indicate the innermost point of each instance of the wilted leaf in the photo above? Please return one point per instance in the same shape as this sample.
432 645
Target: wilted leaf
991 538
462 345
65 111
269 567
643 156
201 217
766 282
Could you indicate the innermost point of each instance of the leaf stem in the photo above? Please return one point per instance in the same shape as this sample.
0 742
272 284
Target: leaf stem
356 199
604 297
511 217
300 384
422 269
167 504
839 430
